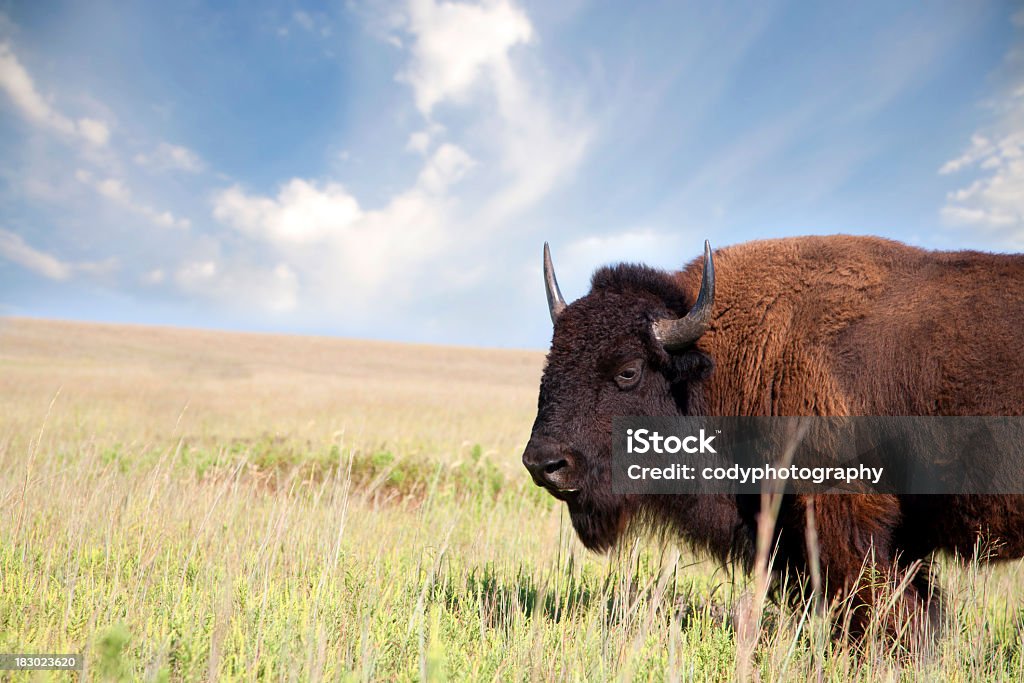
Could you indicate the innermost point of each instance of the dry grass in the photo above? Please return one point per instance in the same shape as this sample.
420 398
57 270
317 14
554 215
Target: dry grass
196 506
151 385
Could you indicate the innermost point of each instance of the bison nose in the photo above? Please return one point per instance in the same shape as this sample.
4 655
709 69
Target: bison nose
549 465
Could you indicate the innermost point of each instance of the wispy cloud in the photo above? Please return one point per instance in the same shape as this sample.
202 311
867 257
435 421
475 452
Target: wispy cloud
14 249
51 174
307 23
492 140
343 247
301 213
20 87
116 191
576 260
473 130
993 200
462 55
273 290
456 46
166 156
510 140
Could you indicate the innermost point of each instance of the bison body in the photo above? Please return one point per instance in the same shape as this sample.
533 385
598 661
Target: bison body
835 325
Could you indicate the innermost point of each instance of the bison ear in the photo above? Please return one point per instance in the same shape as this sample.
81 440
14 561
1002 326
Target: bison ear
691 366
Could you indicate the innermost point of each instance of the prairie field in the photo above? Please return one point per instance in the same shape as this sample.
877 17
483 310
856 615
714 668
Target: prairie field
195 505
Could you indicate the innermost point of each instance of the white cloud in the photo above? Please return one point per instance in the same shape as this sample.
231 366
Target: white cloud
577 260
313 244
305 212
154 277
274 290
97 268
460 53
639 245
456 43
539 149
20 88
994 199
304 20
18 84
301 213
980 148
116 191
366 260
196 273
317 25
95 132
351 257
446 167
14 248
171 157
419 142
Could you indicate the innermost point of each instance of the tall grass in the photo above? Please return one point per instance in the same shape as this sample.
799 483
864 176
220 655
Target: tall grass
172 553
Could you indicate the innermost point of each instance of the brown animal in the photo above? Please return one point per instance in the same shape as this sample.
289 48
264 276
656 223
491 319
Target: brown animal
834 325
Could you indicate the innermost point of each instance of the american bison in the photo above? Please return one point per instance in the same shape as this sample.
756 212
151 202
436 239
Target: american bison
832 326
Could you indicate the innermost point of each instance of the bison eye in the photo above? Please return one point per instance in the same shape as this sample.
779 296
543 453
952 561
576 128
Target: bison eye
628 375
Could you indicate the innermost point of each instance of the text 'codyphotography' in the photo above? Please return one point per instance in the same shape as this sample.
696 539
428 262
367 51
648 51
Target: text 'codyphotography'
866 454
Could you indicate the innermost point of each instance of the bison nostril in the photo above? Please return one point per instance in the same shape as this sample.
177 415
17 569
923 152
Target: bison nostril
550 465
556 465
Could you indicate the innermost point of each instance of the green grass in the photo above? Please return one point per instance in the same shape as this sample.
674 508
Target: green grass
377 567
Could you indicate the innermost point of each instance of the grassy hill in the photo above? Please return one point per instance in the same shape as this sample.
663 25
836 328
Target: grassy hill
192 505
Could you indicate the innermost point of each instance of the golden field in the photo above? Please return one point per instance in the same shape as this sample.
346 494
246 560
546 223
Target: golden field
151 384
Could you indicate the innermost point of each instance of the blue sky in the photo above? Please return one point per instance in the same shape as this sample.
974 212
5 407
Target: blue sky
391 169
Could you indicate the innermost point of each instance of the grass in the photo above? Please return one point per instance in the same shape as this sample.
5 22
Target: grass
182 505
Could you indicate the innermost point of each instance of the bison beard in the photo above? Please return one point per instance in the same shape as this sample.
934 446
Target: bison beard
598 526
803 326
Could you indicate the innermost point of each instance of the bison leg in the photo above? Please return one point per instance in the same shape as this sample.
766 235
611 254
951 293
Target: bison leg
881 592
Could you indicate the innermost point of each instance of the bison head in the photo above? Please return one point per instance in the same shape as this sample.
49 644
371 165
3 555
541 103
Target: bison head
626 348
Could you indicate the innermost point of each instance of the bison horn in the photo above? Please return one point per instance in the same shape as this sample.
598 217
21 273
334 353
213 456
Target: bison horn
556 304
679 333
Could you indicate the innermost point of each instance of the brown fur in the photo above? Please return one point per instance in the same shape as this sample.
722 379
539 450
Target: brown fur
866 326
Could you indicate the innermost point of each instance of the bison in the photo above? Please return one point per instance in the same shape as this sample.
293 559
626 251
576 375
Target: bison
831 326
